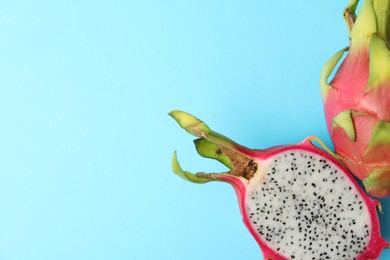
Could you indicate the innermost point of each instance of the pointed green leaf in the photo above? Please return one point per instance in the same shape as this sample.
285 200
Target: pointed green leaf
349 13
364 27
352 5
344 120
382 13
379 63
210 150
380 136
186 175
198 128
190 123
327 70
377 183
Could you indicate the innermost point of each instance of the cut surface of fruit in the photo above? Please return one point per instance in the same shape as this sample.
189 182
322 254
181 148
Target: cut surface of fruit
303 206
297 201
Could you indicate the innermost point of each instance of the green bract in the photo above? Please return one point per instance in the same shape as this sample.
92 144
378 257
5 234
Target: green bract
357 99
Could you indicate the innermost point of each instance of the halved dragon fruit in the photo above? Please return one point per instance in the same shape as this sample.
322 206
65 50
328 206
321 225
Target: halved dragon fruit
357 100
297 201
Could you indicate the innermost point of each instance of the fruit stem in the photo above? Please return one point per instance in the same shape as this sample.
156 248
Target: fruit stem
215 146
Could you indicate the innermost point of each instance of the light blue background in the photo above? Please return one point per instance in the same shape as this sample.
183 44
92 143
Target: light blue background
85 140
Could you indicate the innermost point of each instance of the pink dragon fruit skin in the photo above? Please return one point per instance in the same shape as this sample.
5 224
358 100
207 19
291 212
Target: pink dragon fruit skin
297 201
357 99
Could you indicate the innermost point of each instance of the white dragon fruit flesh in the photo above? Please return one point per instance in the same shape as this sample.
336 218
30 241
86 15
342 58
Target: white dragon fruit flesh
297 201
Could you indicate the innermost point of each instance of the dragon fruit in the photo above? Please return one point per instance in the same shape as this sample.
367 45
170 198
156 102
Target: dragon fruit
357 99
297 201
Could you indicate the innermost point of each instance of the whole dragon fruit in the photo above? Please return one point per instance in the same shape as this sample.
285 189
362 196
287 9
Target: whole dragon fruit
357 99
297 201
